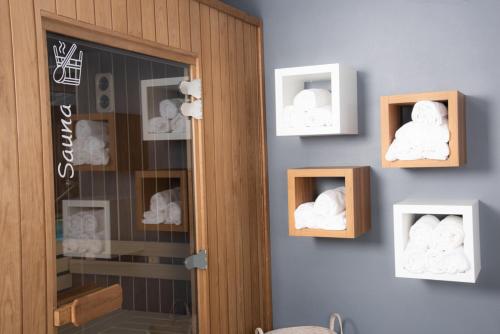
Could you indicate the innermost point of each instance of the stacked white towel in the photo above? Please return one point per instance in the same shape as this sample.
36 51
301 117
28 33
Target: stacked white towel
326 213
164 208
170 119
425 137
310 108
83 233
90 145
436 246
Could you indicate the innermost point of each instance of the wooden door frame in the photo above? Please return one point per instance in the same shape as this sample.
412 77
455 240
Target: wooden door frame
71 28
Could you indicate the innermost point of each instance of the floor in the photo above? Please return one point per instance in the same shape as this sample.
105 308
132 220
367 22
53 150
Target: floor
135 322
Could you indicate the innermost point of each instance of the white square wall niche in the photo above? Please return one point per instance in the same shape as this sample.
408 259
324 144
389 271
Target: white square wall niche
406 213
339 79
82 240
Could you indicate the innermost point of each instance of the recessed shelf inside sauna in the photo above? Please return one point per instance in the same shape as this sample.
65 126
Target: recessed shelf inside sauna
303 188
122 136
149 183
453 251
396 111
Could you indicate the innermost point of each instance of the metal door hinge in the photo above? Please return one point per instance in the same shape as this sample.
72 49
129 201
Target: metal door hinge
197 261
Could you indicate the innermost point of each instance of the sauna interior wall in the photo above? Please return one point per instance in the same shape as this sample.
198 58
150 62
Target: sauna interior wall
228 43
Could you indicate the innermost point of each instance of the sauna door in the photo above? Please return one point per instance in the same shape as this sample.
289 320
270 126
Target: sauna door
123 191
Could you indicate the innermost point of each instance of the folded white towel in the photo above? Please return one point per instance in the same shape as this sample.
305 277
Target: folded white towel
448 234
305 217
429 112
331 202
422 231
415 258
169 108
159 125
403 149
192 109
90 150
192 88
308 99
178 124
423 134
153 217
87 128
298 118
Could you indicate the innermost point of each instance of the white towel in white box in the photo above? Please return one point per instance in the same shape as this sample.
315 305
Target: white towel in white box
308 99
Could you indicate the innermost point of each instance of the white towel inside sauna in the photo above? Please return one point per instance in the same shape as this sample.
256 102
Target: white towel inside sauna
90 145
425 137
170 120
310 108
326 213
164 208
84 233
436 247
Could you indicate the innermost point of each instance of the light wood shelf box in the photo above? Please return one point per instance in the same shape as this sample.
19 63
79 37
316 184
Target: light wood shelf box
391 108
147 183
301 189
124 141
406 214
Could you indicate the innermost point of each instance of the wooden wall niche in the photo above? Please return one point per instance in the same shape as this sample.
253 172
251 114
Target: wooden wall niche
125 145
147 183
301 189
391 119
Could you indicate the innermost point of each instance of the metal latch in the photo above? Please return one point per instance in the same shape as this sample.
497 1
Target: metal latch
197 261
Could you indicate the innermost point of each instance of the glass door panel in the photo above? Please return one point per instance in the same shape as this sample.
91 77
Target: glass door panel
123 190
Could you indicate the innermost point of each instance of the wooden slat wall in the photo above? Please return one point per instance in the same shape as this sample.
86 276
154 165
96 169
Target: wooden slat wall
228 43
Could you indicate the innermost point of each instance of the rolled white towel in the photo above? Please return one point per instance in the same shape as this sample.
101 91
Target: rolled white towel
70 245
159 125
422 231
455 261
298 118
98 157
304 215
448 234
192 88
173 214
178 124
286 115
169 108
415 258
160 200
321 116
87 128
335 222
308 99
331 202
434 261
424 134
401 149
429 112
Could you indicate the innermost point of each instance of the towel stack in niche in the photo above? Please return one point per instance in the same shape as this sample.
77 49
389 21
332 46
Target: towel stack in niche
425 137
436 246
83 233
90 145
311 108
326 213
170 120
164 208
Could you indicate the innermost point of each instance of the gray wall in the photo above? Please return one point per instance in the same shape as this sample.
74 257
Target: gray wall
397 47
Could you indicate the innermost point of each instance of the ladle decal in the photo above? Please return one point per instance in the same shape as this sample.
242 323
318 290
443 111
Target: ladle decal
68 68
